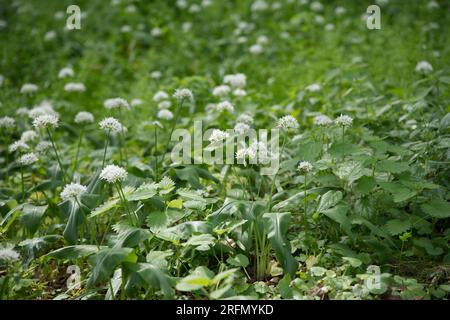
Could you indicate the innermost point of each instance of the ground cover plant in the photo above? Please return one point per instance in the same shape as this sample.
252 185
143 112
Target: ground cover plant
94 206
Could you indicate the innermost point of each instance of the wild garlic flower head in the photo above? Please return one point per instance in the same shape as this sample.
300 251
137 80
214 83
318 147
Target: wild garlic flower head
66 72
315 87
256 49
46 121
43 146
287 122
259 5
156 32
28 159
225 106
245 118
304 167
323 121
155 74
29 135
7 122
316 6
160 96
237 80
113 174
111 124
23 111
136 102
165 114
166 183
344 120
75 87
45 107
256 153
221 90
114 103
218 135
84 117
424 67
164 104
239 93
262 40
241 128
18 145
72 191
29 88
183 94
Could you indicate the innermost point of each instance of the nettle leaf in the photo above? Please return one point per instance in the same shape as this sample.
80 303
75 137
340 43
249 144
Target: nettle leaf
74 252
144 192
277 225
392 166
399 191
202 242
32 216
105 207
129 236
339 150
238 261
201 277
157 221
309 151
328 200
397 226
365 184
105 262
158 258
437 208
349 171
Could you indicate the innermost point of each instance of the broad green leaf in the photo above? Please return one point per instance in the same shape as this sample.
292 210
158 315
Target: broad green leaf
105 262
328 200
365 184
354 262
200 277
428 246
238 261
32 216
349 171
73 252
157 221
128 236
76 218
202 242
437 208
153 276
277 225
103 208
397 226
399 192
339 215
392 166
144 192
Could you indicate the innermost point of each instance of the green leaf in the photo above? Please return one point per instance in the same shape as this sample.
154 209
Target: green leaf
399 191
339 215
437 208
428 246
76 218
200 277
365 184
392 166
103 208
157 221
128 236
328 200
105 262
202 242
350 171
32 216
277 225
144 192
153 276
73 252
238 261
354 262
397 226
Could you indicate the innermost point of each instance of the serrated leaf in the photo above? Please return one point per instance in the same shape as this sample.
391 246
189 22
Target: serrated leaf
328 200
437 208
397 226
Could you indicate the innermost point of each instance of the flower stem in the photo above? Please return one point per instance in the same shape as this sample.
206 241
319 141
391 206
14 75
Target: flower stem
57 155
122 139
125 203
177 116
23 183
106 147
304 196
77 154
156 153
275 176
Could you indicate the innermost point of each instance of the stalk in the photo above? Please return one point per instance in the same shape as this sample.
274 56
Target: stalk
122 139
304 196
57 155
177 116
125 203
106 147
78 153
156 153
22 182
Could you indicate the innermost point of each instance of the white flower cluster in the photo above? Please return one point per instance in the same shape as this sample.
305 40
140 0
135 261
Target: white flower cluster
23 111
46 121
245 118
164 104
344 120
160 96
241 128
18 145
29 88
424 67
7 122
8 255
315 87
75 87
218 135
112 125
165 114
28 159
305 167
323 121
183 94
221 90
72 190
225 106
45 107
84 117
43 146
66 72
238 80
256 153
136 102
287 122
114 103
113 174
